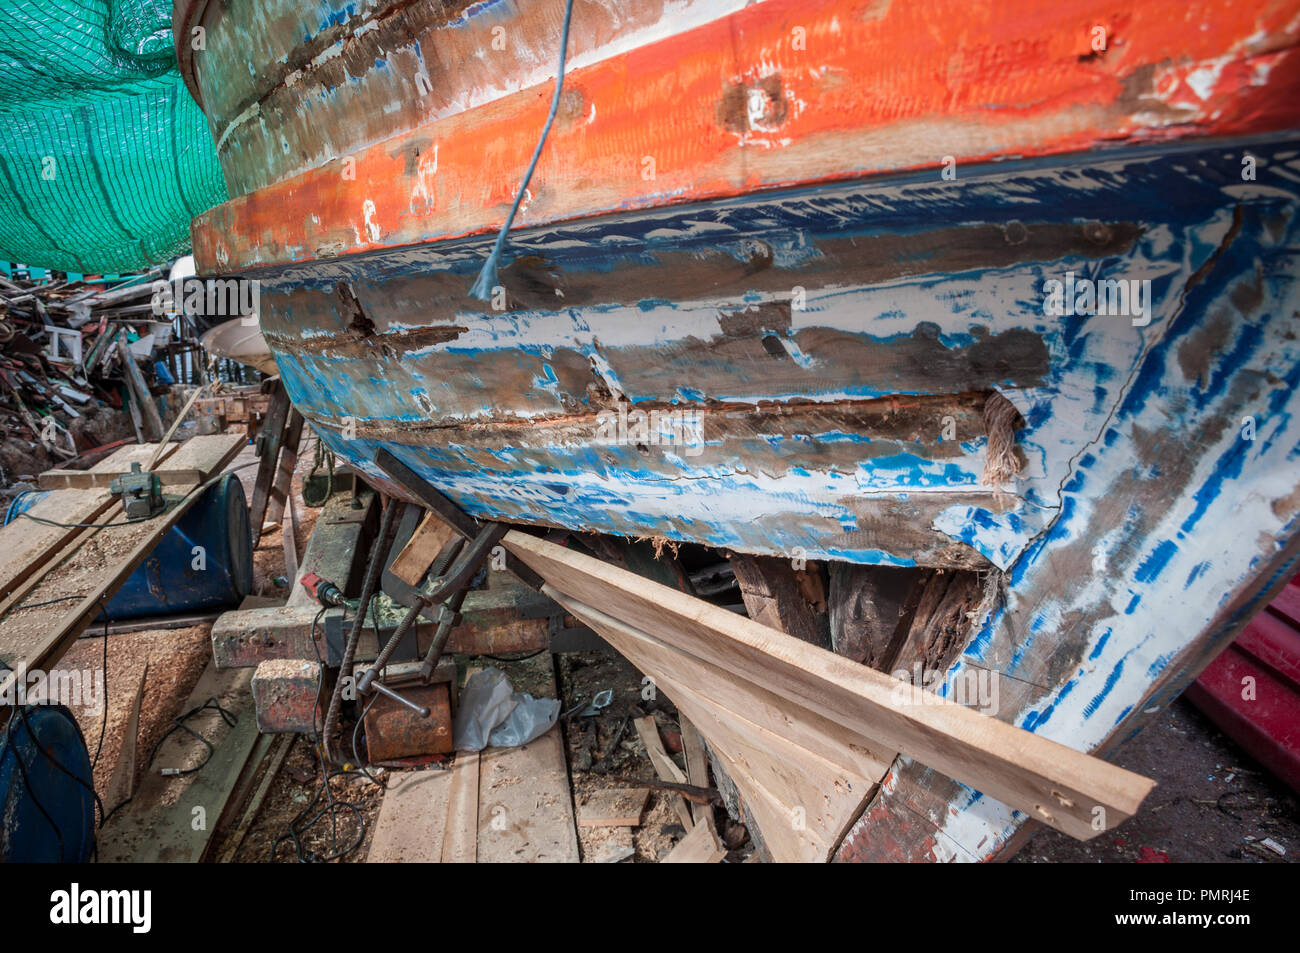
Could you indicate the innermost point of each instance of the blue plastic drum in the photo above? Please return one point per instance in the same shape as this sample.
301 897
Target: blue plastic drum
204 563
47 813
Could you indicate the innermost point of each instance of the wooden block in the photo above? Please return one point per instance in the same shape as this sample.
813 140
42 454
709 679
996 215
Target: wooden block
428 540
614 807
1050 782
699 846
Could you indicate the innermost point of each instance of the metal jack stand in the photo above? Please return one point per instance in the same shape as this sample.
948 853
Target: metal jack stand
449 577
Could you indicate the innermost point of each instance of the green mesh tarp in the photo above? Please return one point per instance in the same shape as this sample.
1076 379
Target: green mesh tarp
104 156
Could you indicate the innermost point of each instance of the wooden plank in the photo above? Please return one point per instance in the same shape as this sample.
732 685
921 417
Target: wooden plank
153 426
273 433
282 487
122 784
664 766
699 846
171 819
525 805
525 810
614 807
1048 781
412 818
428 540
460 842
280 750
697 766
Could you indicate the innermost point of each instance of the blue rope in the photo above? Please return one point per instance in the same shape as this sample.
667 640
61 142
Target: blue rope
487 276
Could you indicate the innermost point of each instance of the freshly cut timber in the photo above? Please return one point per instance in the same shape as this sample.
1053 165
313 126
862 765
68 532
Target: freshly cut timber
671 634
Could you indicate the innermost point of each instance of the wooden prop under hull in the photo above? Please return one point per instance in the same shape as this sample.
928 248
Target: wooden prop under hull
690 645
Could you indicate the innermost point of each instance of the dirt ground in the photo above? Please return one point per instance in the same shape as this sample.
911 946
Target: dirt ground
604 752
1214 803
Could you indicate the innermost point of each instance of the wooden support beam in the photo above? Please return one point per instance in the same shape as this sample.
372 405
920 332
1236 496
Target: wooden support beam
282 486
270 441
151 420
1052 783
789 600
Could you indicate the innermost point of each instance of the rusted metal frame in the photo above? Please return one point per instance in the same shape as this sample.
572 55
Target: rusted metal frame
464 524
378 555
441 589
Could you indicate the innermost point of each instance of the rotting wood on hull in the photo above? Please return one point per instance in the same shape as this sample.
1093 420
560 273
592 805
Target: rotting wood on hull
1145 525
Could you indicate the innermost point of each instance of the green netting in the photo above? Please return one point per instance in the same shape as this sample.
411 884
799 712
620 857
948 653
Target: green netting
104 156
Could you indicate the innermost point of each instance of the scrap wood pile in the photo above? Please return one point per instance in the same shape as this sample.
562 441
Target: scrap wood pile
82 364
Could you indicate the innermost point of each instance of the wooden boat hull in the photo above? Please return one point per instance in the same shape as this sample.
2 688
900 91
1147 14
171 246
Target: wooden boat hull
837 338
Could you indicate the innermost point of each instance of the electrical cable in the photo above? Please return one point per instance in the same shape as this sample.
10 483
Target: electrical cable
487 276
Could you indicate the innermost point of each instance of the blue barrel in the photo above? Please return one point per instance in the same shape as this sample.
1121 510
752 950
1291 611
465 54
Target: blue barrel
47 813
205 562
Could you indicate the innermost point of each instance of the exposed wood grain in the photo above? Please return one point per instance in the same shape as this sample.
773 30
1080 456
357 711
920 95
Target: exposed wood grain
1051 782
664 766
699 846
613 807
428 540
161 823
777 595
412 818
802 802
460 842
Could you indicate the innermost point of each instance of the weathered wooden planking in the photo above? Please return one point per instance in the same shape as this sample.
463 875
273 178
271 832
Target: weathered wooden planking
525 803
732 119
412 818
525 809
804 803
171 819
1053 783
460 840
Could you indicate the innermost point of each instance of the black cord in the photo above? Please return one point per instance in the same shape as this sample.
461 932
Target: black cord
47 602
301 823
103 722
179 725
517 658
27 784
